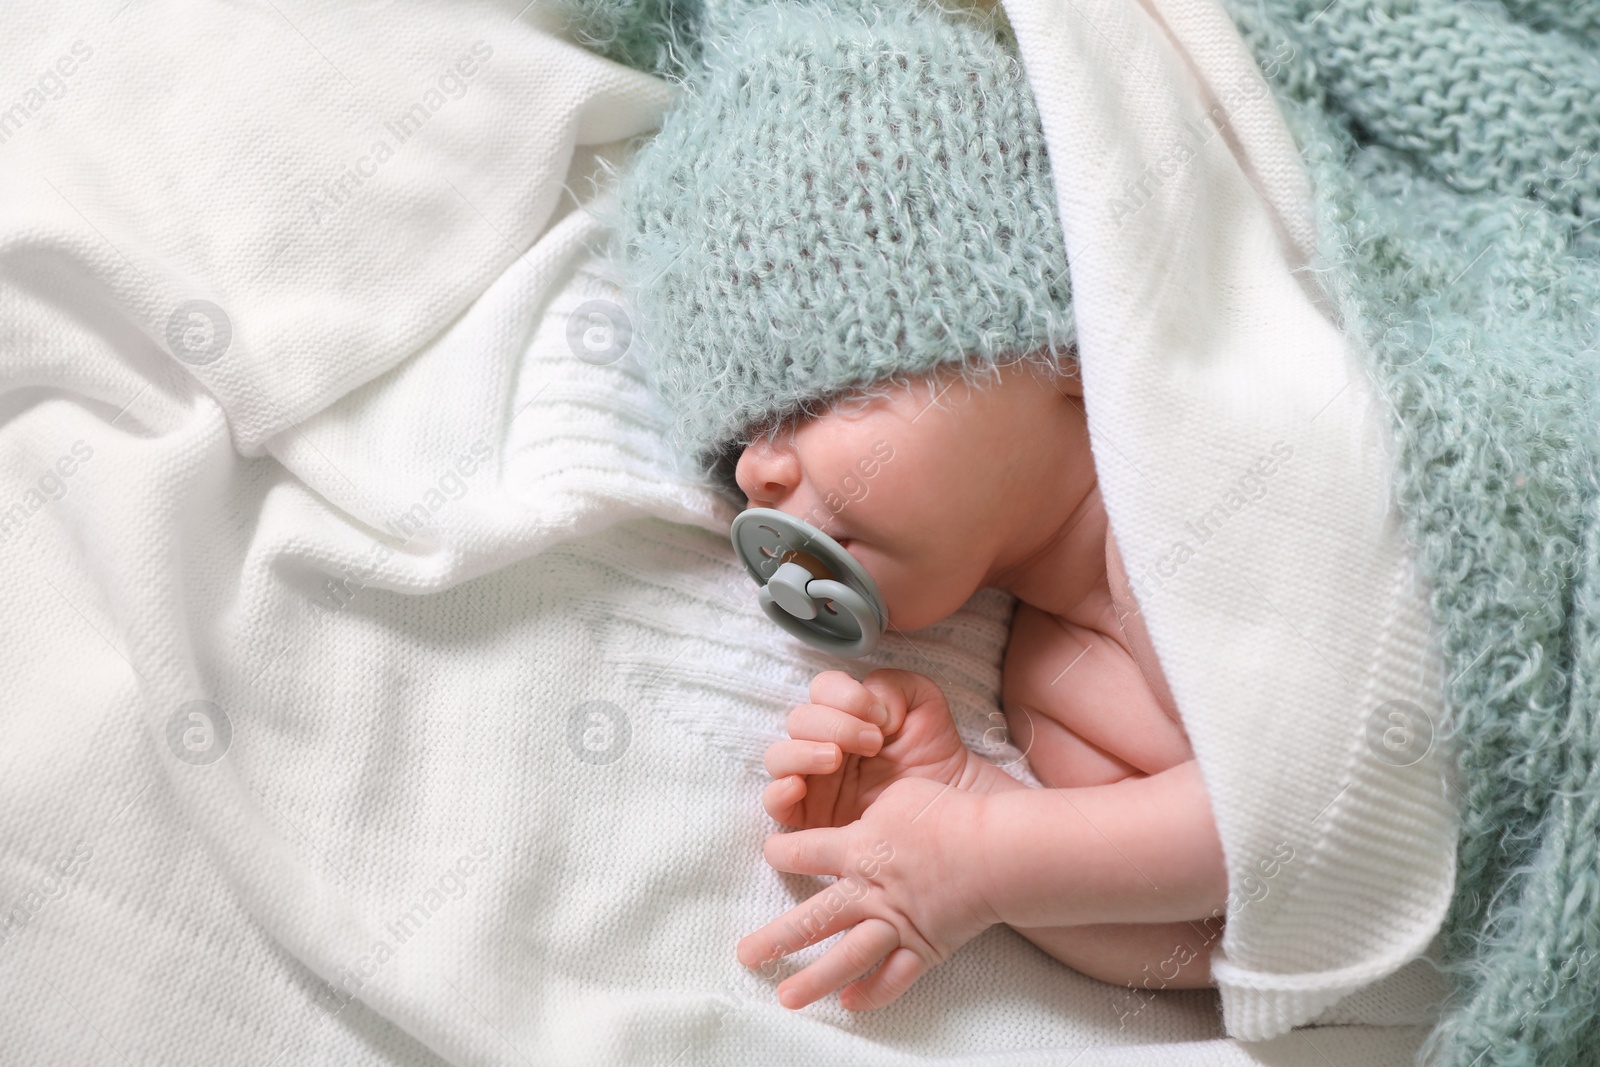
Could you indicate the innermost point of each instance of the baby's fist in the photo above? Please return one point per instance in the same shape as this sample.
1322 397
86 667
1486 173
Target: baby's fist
853 739
881 699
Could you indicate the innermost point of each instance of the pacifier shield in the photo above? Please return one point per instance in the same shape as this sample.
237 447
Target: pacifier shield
810 585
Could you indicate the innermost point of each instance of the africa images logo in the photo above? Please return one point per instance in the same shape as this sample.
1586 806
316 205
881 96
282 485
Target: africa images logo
338 191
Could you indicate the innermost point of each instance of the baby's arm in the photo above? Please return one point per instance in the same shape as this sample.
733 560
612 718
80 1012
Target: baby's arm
911 734
929 866
1167 846
1141 850
1145 952
1140 955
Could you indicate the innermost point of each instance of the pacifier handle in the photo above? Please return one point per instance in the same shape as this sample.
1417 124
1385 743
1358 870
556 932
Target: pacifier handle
792 596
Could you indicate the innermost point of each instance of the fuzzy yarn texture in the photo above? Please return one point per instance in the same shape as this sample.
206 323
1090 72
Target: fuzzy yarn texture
1452 148
846 196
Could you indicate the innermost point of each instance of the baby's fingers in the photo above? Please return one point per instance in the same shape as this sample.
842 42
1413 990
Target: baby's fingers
782 800
823 724
803 757
885 985
856 953
839 690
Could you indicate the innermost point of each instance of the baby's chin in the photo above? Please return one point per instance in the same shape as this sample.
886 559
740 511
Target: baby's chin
912 603
916 613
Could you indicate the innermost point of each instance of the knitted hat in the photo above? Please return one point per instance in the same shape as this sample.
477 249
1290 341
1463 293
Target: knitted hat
844 195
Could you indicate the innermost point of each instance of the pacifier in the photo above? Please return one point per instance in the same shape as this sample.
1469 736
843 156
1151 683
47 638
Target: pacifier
810 585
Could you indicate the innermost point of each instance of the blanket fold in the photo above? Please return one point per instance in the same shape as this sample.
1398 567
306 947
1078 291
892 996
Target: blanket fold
241 260
1246 472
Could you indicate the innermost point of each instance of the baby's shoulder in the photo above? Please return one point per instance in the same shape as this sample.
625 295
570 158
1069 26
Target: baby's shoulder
1044 640
1085 680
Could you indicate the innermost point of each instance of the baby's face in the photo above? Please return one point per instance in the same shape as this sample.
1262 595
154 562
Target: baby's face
936 501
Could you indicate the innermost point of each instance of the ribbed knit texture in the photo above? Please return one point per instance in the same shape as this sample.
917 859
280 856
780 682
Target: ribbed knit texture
1452 147
845 194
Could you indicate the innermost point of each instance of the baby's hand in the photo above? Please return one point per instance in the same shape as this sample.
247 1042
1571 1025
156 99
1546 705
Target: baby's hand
907 892
854 739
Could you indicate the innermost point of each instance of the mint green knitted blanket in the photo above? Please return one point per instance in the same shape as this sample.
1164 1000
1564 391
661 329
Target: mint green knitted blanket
1453 148
1453 151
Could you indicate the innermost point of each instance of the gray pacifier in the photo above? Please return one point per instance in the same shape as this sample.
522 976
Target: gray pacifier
810 585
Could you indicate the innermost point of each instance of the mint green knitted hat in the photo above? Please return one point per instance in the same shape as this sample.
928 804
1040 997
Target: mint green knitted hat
843 196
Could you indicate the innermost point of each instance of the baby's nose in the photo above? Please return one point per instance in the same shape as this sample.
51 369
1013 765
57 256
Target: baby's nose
767 472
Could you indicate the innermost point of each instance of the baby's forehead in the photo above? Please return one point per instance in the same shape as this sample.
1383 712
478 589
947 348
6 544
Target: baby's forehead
850 401
949 386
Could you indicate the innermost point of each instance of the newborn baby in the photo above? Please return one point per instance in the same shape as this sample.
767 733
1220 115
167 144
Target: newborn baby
1116 867
855 195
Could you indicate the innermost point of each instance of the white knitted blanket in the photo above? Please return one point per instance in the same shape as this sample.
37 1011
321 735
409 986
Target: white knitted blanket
379 693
